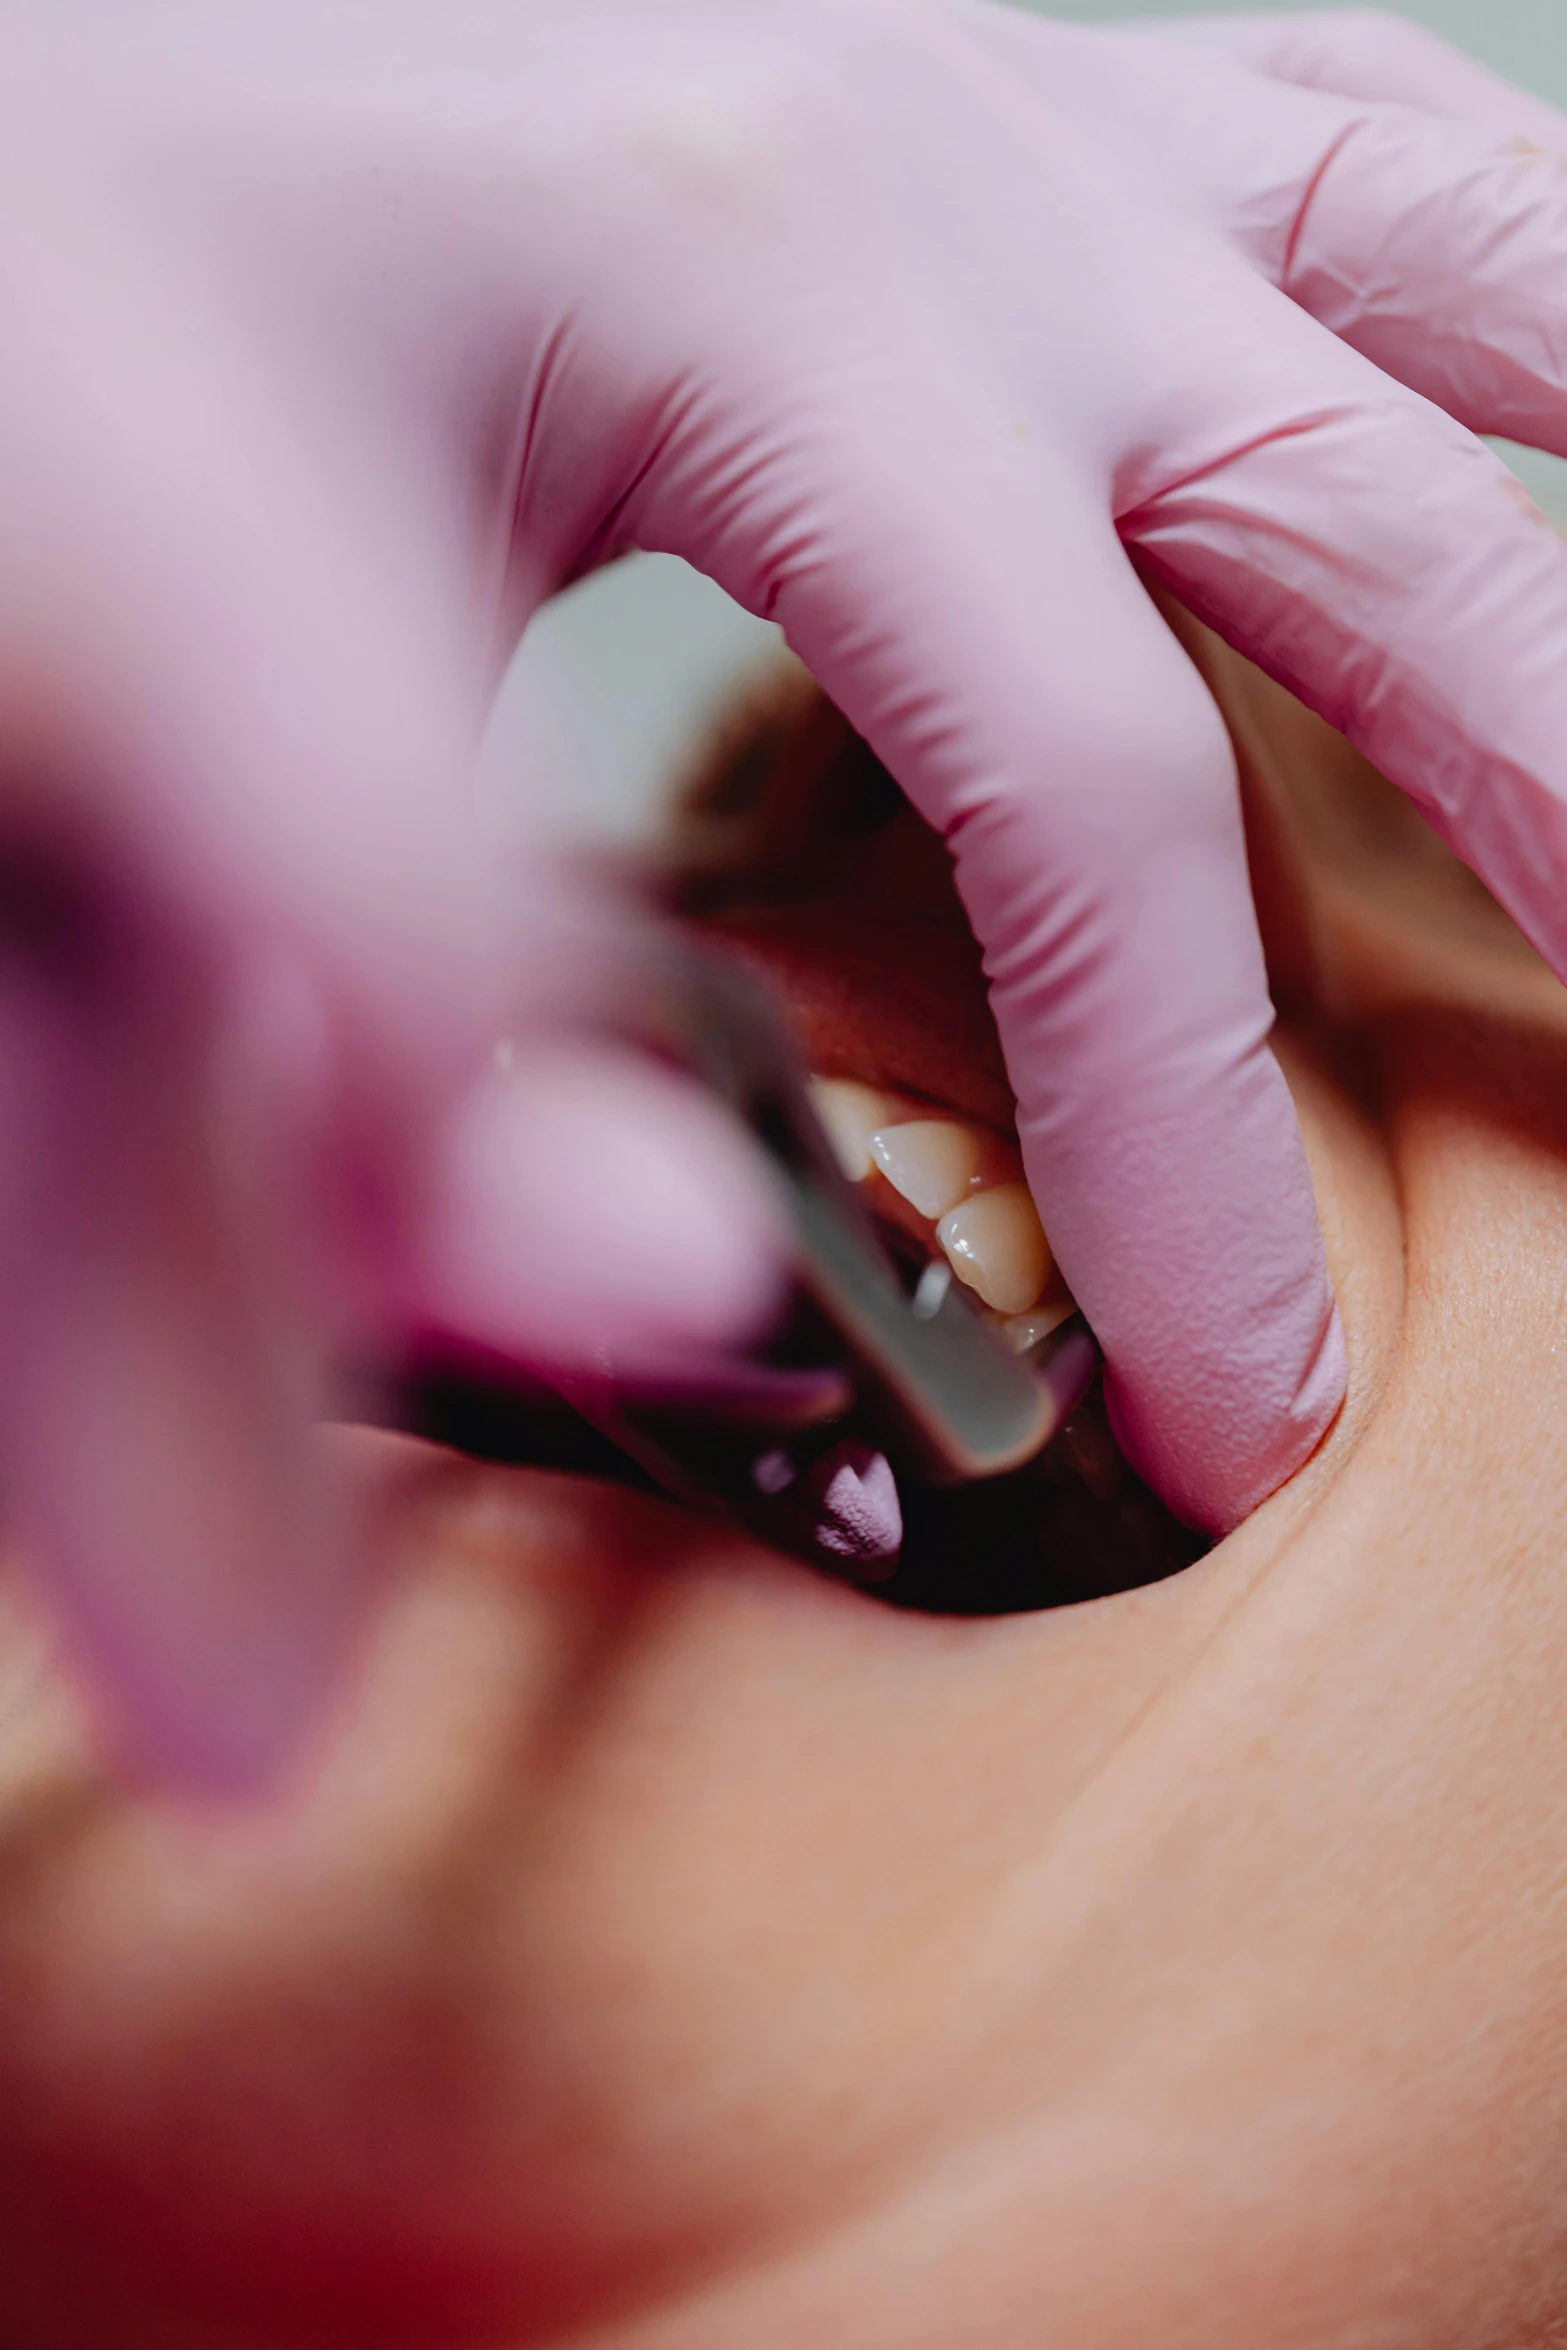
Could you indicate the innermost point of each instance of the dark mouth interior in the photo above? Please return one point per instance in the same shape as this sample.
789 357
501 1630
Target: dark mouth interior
791 823
795 847
1075 1524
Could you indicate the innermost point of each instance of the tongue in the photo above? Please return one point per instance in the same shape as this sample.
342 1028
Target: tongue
851 1498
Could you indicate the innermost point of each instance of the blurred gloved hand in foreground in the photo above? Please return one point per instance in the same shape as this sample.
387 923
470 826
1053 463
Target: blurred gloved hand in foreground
335 341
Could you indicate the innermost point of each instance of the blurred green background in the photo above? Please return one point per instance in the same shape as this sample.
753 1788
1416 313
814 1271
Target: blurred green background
1526 39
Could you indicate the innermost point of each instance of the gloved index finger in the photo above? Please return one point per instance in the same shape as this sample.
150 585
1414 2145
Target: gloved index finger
988 636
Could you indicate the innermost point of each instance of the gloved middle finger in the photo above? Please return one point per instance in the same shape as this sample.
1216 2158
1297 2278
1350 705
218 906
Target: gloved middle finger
1381 562
1440 251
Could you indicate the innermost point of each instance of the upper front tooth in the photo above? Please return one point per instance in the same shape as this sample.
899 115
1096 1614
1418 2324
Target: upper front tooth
995 1242
850 1115
931 1161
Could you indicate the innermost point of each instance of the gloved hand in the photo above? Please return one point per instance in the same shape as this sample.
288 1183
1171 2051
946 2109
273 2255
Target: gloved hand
335 343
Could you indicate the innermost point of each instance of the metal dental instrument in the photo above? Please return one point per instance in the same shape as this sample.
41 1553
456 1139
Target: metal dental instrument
918 1374
947 1398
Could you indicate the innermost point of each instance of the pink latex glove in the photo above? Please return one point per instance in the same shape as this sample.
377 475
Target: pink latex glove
337 338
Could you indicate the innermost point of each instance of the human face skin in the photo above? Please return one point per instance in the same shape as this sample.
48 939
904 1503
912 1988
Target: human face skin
673 1949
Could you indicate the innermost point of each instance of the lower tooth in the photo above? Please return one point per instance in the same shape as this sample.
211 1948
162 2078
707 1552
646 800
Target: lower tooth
995 1242
1023 1331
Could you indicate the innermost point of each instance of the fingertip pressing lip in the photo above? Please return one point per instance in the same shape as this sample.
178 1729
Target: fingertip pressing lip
1215 1488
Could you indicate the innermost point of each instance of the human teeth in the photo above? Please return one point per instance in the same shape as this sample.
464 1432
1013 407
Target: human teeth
995 1242
1023 1331
933 1162
962 1180
850 1114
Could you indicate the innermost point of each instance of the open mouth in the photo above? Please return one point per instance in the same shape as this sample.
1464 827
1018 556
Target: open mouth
795 850
794 846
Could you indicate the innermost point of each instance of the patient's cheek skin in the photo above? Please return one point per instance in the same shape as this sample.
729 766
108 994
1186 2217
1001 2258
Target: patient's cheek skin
1357 1198
268 2068
449 2046
630 1920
